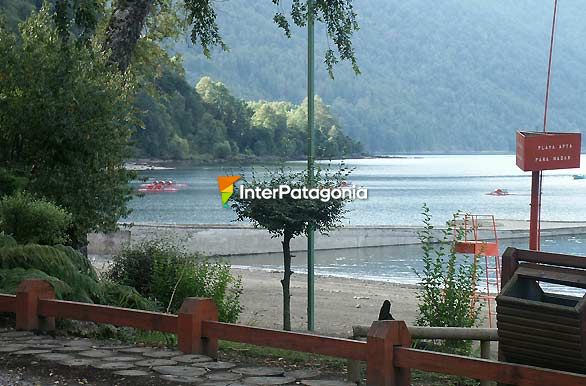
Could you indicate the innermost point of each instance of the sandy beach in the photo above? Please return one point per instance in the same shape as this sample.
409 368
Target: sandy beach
340 303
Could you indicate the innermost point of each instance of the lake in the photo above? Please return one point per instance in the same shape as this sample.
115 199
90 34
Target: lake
397 189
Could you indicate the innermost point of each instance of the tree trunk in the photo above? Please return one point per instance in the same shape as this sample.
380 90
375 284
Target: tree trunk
124 29
286 282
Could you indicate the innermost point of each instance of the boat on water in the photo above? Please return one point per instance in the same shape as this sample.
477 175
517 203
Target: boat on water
499 192
161 187
580 176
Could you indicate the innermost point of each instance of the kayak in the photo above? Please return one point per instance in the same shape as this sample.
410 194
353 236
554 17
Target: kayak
161 187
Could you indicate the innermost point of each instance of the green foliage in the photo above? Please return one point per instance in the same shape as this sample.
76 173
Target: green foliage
69 272
209 122
222 150
447 285
58 263
167 274
10 182
66 120
7 241
288 216
11 278
425 85
33 220
340 24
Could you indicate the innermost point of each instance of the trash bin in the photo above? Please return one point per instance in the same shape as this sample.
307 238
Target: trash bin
539 328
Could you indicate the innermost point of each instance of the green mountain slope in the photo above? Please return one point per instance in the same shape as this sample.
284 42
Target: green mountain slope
436 76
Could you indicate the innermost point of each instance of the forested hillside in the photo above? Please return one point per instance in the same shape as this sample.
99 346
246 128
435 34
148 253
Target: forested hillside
436 76
202 120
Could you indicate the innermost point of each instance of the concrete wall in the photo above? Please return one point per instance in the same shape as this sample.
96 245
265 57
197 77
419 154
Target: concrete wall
244 240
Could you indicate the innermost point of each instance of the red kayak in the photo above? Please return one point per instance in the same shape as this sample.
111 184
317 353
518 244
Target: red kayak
161 187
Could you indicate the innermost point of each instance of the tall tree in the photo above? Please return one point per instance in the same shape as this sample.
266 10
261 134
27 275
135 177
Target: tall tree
128 18
65 122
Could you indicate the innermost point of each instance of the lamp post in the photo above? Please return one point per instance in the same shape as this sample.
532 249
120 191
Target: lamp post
310 164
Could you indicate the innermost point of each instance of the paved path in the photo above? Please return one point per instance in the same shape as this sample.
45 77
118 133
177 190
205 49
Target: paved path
134 363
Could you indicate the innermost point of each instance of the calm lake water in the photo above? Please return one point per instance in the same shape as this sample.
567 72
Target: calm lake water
397 189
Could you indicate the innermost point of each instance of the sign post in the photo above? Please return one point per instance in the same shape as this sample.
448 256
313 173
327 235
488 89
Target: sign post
538 151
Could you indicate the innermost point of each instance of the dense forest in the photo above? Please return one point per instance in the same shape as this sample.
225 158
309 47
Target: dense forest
207 122
202 120
452 76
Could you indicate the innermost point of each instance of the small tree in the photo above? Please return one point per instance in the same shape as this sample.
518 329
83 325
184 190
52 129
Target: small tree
288 218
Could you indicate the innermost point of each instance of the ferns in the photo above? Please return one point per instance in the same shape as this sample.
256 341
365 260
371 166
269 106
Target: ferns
58 263
69 272
10 280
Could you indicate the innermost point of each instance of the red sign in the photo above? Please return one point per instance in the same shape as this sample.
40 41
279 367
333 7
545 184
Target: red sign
548 151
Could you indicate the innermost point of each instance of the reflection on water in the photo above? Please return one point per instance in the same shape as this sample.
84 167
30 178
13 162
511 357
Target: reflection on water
396 264
396 190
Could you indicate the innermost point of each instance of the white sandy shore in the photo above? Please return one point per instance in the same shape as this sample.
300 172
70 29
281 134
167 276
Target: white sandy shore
340 303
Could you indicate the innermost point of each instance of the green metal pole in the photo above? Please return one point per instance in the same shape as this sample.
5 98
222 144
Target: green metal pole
310 161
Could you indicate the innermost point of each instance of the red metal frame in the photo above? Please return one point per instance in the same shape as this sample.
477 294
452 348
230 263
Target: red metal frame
478 245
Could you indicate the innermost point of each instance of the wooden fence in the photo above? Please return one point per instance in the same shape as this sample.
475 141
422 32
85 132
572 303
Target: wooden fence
483 335
386 351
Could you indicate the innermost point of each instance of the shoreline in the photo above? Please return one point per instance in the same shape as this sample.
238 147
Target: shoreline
243 239
340 302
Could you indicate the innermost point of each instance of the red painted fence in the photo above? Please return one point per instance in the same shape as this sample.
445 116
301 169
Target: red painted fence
387 349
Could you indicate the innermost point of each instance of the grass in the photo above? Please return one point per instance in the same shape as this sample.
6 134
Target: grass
285 356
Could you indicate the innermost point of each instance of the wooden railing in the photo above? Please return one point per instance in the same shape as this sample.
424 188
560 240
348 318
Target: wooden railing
483 335
386 351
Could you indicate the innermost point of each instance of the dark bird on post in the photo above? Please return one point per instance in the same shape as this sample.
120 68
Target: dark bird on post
385 311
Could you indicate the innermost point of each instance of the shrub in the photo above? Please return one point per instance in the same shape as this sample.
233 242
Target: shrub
33 220
222 150
168 274
7 241
10 183
70 273
447 283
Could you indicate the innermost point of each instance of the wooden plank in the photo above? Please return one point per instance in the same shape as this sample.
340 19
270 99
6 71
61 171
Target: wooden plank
507 373
150 321
551 258
545 325
504 308
550 357
531 331
541 362
557 275
512 336
538 307
8 303
538 347
336 347
417 332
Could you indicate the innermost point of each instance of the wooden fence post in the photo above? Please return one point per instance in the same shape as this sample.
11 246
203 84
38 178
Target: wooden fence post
27 301
383 336
189 327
